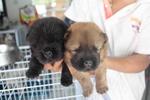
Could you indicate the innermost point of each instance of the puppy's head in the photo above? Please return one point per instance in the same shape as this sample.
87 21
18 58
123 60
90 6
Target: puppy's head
85 45
46 38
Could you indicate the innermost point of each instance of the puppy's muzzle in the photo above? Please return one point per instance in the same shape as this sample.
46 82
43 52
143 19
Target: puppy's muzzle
47 53
85 63
88 63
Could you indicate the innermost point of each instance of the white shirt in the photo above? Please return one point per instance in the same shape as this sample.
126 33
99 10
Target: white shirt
128 32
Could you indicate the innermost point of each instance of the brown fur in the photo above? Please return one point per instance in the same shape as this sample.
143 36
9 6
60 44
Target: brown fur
87 35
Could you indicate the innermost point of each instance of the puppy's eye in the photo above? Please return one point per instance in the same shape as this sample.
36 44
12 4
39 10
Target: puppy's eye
34 46
74 51
97 49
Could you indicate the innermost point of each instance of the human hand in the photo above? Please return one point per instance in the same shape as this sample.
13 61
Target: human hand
55 68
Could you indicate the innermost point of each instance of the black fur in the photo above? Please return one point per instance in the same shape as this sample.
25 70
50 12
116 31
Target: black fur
46 39
86 57
35 68
66 80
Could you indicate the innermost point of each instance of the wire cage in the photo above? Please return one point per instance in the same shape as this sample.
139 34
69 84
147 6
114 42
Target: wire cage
15 86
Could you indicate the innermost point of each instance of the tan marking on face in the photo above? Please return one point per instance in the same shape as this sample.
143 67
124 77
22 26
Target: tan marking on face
85 34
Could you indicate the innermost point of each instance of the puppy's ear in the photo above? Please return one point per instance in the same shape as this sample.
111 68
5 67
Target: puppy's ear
66 77
27 36
103 52
104 37
67 34
30 33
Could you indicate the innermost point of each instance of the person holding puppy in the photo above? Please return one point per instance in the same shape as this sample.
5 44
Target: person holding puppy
126 24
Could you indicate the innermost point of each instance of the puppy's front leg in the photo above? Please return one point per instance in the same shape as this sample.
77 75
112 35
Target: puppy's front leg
35 68
66 77
84 80
101 82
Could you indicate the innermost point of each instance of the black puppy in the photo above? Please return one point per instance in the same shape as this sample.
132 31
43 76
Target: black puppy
46 39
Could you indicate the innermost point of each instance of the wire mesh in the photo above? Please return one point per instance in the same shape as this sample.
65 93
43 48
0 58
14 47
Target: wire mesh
15 86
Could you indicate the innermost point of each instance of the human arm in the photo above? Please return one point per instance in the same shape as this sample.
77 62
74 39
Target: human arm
139 60
129 64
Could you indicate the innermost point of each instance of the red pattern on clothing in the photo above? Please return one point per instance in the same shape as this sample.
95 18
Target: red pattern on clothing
107 9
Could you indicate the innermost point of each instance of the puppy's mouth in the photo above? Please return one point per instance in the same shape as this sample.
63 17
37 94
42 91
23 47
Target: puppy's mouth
52 55
85 59
85 64
49 55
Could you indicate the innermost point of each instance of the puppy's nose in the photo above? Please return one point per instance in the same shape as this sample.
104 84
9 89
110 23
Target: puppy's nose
88 63
48 54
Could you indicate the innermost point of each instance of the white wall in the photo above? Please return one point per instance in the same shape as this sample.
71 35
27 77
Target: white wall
13 8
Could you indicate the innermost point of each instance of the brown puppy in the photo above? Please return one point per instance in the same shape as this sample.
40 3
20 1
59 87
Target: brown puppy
86 47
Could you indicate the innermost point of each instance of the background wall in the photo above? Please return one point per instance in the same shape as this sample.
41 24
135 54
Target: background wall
13 8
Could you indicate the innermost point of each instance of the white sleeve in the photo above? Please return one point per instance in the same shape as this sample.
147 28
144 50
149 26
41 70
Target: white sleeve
143 44
78 11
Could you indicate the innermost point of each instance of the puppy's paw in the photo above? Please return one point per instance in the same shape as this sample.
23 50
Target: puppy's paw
32 73
66 81
101 88
87 89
